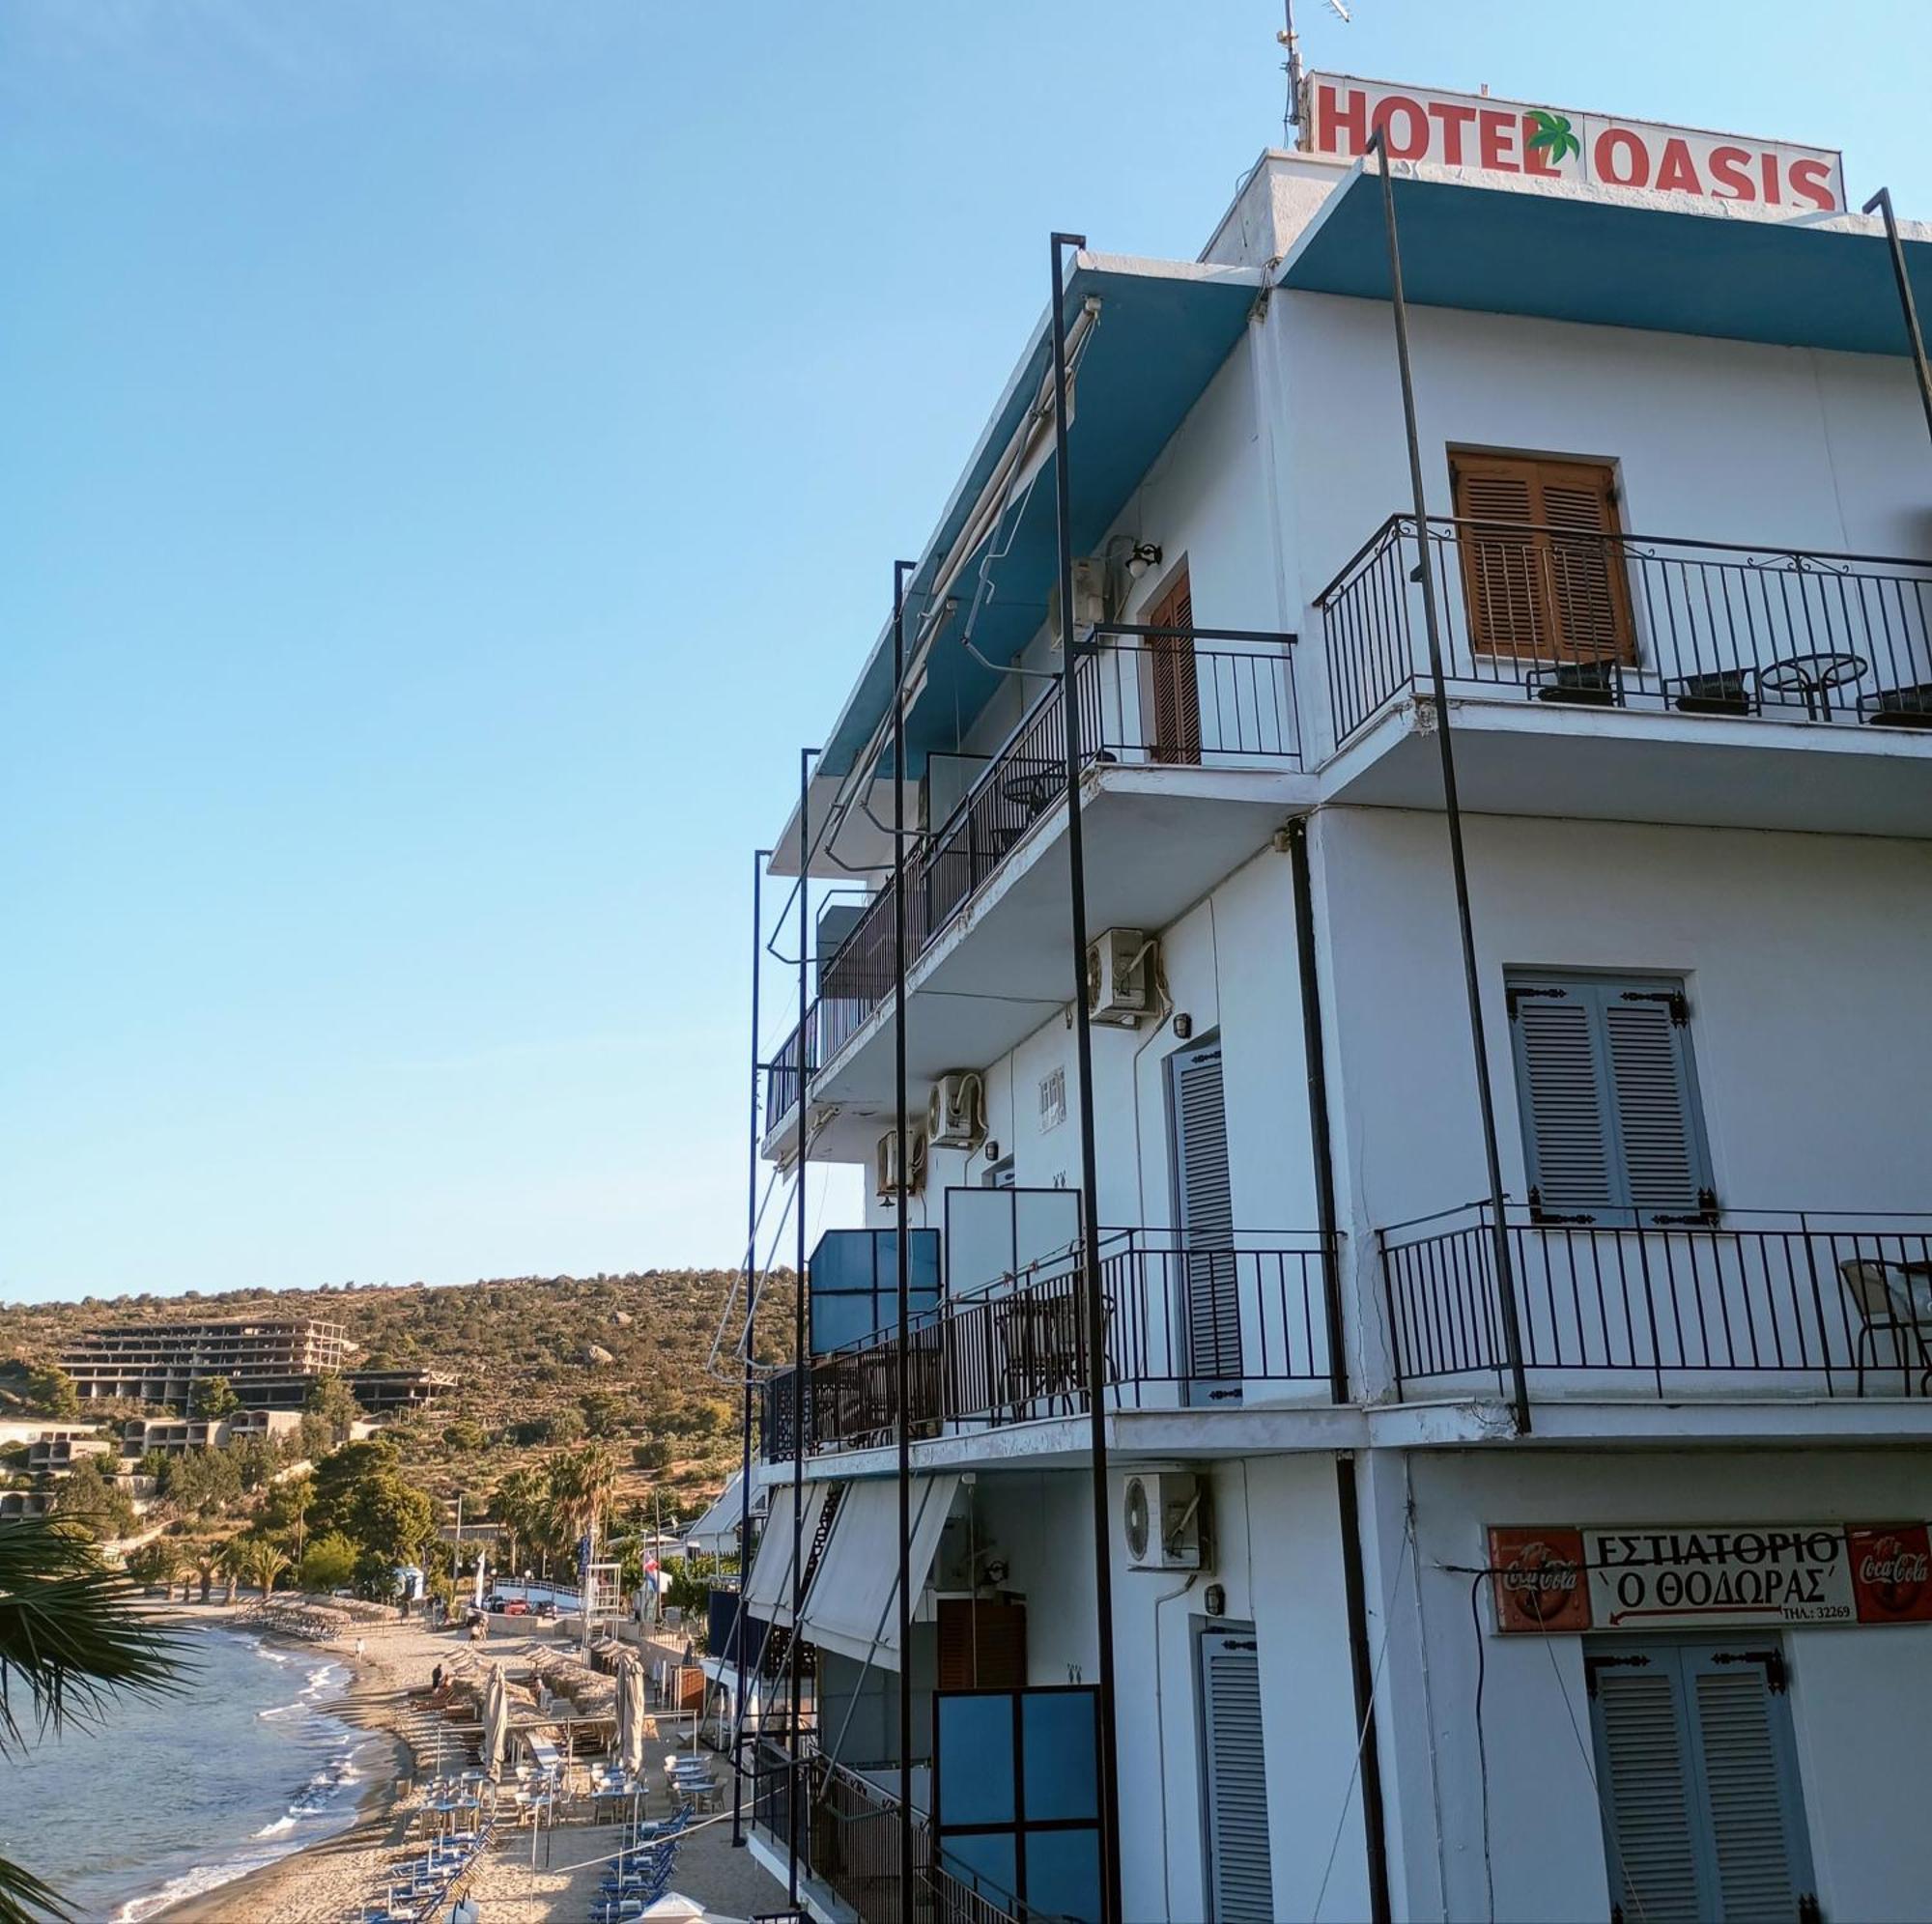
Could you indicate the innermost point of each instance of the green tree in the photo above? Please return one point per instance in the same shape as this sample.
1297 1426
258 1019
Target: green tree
334 1401
328 1564
213 1397
262 1562
71 1635
52 1389
466 1436
605 1413
152 1563
391 1518
99 1506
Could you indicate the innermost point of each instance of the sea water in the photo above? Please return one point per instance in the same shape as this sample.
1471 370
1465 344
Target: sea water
168 1796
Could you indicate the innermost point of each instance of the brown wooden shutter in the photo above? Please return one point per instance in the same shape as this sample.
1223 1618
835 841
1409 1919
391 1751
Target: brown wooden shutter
1558 588
981 1644
1177 689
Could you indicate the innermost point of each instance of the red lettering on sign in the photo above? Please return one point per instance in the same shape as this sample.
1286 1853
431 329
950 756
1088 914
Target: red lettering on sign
1417 143
1499 132
1677 172
1813 180
1620 158
1352 120
1453 120
1730 169
1768 168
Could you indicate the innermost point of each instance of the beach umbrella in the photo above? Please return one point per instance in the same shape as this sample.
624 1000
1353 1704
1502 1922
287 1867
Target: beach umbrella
496 1722
630 1714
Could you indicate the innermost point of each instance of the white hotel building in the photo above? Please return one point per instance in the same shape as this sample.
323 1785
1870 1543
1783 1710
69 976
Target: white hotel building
1678 485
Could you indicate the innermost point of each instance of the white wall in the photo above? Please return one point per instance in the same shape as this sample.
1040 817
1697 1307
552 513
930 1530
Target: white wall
1861 1699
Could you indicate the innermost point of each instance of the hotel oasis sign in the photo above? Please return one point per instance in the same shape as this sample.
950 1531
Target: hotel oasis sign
1721 1576
1558 144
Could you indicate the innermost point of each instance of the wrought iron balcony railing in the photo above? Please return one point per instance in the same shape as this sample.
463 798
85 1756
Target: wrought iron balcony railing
1213 698
1184 1327
1748 1304
1616 620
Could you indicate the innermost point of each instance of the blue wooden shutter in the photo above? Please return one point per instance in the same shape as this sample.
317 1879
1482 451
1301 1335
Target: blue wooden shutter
1703 1819
1240 1872
1210 1306
1608 1095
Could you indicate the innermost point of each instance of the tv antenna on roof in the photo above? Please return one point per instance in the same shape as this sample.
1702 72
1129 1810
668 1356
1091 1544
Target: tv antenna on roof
1291 41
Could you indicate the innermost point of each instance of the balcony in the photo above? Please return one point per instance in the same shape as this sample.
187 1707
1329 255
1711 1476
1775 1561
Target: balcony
1747 1306
1187 1328
1707 682
1206 712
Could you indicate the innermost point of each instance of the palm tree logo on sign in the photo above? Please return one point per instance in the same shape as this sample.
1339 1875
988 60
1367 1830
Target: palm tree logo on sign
1552 136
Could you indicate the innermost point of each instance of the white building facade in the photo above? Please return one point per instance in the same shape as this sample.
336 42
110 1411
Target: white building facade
1610 1506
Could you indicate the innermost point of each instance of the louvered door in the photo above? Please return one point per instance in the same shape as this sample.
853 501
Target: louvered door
1240 1875
1542 572
1175 679
1210 1306
1609 1094
1703 1813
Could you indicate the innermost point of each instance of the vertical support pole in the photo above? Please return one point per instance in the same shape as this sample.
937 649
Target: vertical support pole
1361 1666
795 1651
901 1362
1914 339
1090 1184
1453 812
759 858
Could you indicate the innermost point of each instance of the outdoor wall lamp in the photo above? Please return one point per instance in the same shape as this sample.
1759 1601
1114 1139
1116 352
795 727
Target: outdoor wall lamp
1145 556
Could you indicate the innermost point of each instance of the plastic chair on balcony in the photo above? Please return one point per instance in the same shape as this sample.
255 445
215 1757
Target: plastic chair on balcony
1716 691
1891 1301
1905 707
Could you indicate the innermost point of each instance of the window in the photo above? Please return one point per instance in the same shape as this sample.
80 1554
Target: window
1608 1097
1703 1819
1176 688
1543 567
1204 1211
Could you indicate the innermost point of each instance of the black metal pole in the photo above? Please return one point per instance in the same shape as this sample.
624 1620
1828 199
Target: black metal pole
1453 812
1882 201
1348 1502
759 858
1090 1181
795 1651
902 1370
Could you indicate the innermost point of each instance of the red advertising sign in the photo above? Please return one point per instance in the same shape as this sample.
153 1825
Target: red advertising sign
1538 1576
1891 1573
1555 144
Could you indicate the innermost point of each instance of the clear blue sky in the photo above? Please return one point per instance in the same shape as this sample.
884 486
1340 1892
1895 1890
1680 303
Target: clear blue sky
453 451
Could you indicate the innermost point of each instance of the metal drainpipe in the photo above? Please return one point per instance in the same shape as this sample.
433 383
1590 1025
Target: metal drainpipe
796 1652
900 1365
1089 1183
1453 812
1361 1664
1882 201
759 858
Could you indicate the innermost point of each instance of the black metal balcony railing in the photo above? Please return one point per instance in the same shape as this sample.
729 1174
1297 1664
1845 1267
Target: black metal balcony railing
1806 1304
1153 697
1613 620
1184 1325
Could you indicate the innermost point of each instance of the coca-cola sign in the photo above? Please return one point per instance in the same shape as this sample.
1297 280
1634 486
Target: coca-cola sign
1738 1575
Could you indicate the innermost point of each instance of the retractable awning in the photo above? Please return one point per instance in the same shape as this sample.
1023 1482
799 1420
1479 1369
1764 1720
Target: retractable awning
716 1533
768 1595
853 1605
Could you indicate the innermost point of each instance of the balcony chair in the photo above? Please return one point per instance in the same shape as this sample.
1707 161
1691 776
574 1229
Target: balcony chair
1579 684
1716 691
1905 707
1882 1293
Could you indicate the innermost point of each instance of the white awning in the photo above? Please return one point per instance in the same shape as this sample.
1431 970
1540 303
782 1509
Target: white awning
853 1605
716 1533
768 1595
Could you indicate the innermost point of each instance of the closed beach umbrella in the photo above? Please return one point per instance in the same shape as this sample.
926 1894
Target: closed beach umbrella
495 1722
630 1714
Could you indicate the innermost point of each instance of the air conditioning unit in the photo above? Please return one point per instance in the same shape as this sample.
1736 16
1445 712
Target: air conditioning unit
955 1117
1164 1516
1090 599
888 1184
1120 976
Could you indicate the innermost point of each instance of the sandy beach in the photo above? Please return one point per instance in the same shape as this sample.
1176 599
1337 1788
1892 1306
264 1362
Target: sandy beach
332 1881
